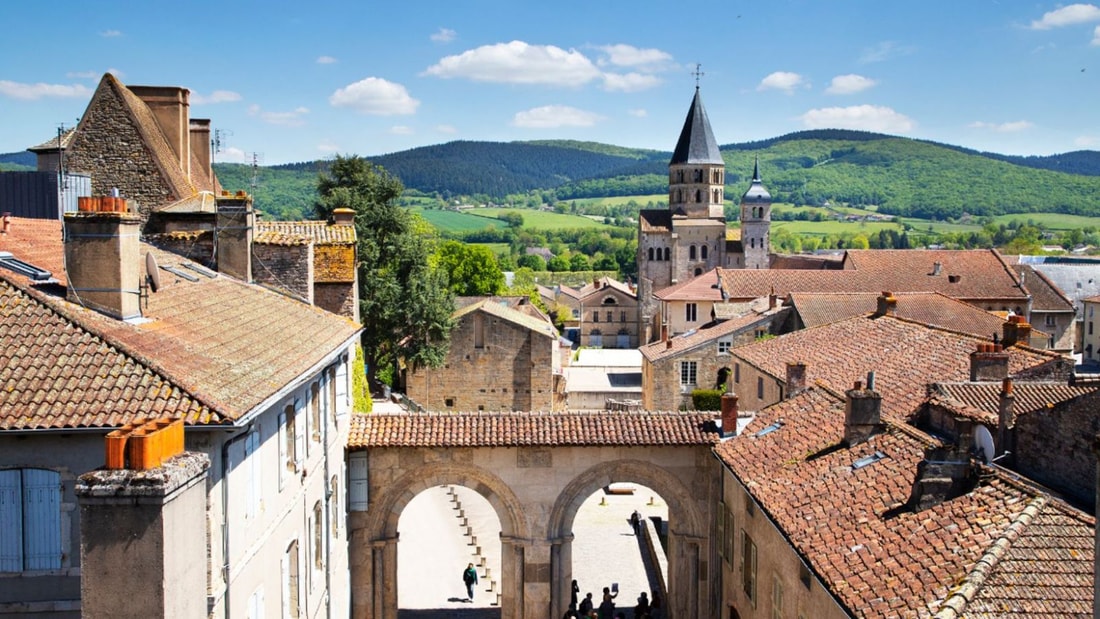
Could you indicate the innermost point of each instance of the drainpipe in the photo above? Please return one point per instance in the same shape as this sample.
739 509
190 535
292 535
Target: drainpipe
225 513
328 500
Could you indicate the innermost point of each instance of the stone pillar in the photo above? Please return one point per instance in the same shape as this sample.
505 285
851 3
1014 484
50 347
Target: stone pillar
529 563
143 540
561 578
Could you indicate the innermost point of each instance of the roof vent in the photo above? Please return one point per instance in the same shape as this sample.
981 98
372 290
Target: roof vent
26 269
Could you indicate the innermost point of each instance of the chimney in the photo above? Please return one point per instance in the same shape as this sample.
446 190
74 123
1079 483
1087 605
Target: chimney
796 378
945 472
1017 331
664 333
668 344
171 107
862 412
887 304
103 259
988 363
343 216
233 235
937 267
772 301
5 222
1005 409
729 413
200 146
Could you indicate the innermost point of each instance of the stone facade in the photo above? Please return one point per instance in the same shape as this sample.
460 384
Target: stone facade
338 298
1054 446
608 318
287 267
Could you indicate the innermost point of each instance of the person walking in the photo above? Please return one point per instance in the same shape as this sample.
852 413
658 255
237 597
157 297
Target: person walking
585 607
636 522
469 577
607 605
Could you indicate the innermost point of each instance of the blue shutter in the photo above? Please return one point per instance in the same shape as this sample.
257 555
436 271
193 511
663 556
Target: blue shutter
11 521
357 481
42 519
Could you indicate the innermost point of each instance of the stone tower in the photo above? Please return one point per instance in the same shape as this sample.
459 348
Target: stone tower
696 172
756 222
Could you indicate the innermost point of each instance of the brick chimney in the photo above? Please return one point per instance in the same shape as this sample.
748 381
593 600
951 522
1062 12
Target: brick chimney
796 378
1017 331
887 304
945 472
729 413
103 260
343 216
862 412
234 225
200 146
1005 408
171 107
988 363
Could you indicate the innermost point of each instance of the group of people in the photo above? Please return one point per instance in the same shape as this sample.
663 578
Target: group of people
586 608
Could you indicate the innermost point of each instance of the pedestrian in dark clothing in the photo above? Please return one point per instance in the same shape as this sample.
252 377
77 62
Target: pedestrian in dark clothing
469 577
586 605
636 522
573 595
607 606
655 610
642 609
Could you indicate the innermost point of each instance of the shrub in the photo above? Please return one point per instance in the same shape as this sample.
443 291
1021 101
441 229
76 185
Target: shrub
707 399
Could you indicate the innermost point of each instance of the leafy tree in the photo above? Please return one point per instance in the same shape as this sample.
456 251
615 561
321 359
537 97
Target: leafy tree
579 262
606 262
404 305
557 264
472 270
531 261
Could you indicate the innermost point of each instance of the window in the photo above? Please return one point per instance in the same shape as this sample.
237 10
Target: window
1049 320
728 540
256 604
691 312
724 346
737 373
698 176
30 520
698 195
289 451
315 411
691 253
1090 327
622 316
720 521
748 566
596 316
253 470
651 253
687 373
576 313
449 402
342 403
479 331
668 253
759 388
332 393
290 581
777 598
610 316
318 536
595 339
703 252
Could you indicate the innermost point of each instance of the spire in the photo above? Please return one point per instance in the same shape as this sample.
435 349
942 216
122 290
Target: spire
756 169
696 143
756 191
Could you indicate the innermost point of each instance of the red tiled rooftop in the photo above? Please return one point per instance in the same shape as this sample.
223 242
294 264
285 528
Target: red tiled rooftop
704 335
321 232
1028 396
931 308
513 429
701 288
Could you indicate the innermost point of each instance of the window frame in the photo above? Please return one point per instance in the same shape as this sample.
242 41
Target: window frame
689 373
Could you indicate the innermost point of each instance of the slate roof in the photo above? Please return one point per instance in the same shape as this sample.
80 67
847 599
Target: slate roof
523 429
1077 278
1028 396
756 191
928 308
655 220
907 564
696 143
1045 295
320 232
223 346
905 356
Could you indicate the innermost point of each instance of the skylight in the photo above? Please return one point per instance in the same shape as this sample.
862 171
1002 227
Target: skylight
775 425
10 262
175 271
200 269
868 460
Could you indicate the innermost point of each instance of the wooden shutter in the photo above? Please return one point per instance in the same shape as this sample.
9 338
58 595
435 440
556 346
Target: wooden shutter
300 429
282 449
11 521
342 389
42 519
357 481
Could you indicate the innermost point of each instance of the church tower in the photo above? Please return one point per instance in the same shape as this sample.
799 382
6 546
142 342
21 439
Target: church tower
756 222
696 173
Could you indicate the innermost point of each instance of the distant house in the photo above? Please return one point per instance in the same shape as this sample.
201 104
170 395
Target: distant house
500 359
608 315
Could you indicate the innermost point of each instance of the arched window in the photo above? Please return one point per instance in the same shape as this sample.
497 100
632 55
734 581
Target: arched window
698 195
752 243
318 536
691 253
668 254
698 271
679 196
651 253
703 252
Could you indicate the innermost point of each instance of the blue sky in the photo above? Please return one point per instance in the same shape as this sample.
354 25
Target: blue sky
305 80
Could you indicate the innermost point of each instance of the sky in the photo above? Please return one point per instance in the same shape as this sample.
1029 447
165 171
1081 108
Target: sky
298 81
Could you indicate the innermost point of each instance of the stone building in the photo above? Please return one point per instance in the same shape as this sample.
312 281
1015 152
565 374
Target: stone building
1090 335
500 359
607 315
689 238
103 329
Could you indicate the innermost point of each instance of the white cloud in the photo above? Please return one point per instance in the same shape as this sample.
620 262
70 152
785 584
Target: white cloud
110 33
518 63
1067 16
284 119
400 130
326 60
638 113
115 72
629 82
328 147
375 95
1087 141
849 84
552 116
448 129
1009 127
1096 36
218 96
863 117
444 35
33 92
232 154
781 80
648 59
883 51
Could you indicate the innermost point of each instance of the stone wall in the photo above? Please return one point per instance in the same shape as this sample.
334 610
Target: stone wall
334 263
109 147
197 246
1054 446
338 298
287 267
512 370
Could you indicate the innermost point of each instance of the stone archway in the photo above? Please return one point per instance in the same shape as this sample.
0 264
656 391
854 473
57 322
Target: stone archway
374 573
688 535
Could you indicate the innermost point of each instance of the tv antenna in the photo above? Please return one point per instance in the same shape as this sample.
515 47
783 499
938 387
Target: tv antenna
257 159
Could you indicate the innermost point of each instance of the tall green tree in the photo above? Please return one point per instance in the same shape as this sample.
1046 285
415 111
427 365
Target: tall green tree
471 269
404 303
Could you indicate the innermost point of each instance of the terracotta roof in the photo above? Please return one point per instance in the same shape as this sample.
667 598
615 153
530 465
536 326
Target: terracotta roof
52 143
1045 295
539 324
201 202
515 429
929 308
789 261
905 356
704 335
905 564
655 220
321 232
605 283
1028 396
701 288
219 341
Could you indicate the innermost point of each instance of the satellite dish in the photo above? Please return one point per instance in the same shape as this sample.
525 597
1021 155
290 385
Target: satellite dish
152 271
983 443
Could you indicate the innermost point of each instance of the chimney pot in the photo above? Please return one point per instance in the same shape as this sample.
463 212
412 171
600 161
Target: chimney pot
343 216
5 222
887 304
1017 331
668 344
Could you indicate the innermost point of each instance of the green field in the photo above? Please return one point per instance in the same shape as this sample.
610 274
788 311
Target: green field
541 220
452 221
823 228
1053 221
499 249
620 200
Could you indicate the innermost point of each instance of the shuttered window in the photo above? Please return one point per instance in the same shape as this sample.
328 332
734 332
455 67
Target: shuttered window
30 520
254 482
342 404
357 481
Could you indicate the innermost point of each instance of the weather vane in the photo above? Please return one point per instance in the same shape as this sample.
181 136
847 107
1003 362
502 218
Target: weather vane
698 73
